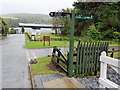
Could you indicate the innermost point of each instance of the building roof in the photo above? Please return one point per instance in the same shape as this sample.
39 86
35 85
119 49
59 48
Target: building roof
38 26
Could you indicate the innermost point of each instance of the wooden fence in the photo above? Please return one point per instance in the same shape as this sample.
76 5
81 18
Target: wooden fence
28 36
88 54
59 59
87 57
115 64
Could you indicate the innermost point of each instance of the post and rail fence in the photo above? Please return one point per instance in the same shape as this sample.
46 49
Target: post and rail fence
28 36
59 58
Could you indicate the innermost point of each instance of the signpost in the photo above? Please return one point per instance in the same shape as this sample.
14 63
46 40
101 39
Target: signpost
46 38
72 17
69 15
60 14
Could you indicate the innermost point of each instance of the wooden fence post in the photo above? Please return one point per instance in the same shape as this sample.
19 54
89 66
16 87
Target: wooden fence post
103 66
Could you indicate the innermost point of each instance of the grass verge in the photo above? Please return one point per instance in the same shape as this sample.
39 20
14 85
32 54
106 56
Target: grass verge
41 67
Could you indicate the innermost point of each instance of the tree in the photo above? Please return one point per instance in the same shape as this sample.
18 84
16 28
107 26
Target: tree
23 30
4 26
12 31
104 13
93 33
56 22
63 21
92 8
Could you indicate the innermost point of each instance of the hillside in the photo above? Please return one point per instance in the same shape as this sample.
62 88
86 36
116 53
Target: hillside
14 19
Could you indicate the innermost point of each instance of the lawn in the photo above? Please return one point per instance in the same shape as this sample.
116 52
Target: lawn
39 44
41 67
116 54
56 40
118 44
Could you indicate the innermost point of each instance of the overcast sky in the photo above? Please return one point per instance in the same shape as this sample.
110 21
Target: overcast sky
33 6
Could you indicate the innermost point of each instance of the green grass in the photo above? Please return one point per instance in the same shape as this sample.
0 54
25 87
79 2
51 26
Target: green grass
114 44
55 41
39 44
116 54
41 67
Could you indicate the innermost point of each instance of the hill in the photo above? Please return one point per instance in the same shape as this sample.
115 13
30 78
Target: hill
14 19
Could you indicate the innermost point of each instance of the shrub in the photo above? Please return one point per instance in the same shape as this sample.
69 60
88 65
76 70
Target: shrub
93 33
12 31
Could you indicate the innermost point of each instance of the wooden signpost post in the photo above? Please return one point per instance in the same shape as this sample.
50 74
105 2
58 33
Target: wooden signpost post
72 17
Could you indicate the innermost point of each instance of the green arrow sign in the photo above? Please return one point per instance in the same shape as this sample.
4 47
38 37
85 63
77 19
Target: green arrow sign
84 16
68 15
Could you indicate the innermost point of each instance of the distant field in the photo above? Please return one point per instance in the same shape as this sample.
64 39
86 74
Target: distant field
9 18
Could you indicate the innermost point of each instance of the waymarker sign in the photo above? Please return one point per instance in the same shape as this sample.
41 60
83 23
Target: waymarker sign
69 15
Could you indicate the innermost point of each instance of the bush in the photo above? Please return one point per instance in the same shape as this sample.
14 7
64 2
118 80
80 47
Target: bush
93 33
116 35
12 31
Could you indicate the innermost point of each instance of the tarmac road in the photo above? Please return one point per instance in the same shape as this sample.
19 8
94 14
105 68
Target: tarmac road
37 53
14 62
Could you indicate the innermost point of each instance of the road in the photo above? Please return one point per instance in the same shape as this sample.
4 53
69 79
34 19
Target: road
36 53
14 62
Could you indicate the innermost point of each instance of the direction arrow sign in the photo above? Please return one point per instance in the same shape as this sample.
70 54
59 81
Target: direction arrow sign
60 14
68 15
84 16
